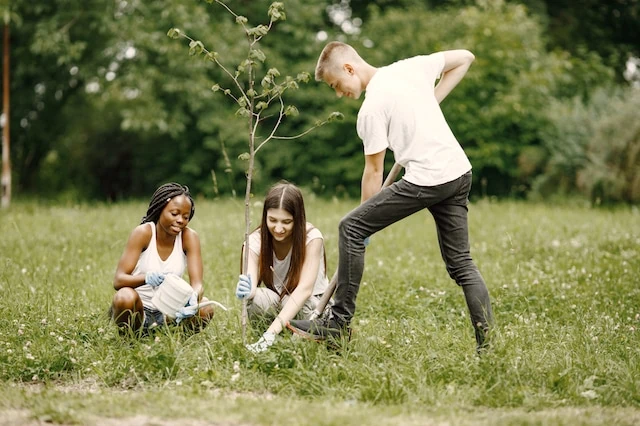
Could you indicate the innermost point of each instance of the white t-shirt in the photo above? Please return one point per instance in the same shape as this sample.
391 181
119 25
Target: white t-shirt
150 260
281 267
400 112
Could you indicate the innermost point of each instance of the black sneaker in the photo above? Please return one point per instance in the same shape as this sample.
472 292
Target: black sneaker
319 329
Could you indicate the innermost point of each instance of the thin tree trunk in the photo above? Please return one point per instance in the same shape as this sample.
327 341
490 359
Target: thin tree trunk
247 210
247 222
6 161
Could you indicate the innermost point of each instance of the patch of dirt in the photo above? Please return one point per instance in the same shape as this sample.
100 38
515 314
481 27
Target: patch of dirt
24 418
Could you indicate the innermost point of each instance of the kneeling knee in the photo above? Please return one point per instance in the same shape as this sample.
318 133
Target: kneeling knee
125 299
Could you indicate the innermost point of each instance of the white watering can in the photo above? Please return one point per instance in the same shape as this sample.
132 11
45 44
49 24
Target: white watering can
174 294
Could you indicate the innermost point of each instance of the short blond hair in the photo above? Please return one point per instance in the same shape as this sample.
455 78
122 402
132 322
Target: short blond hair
334 55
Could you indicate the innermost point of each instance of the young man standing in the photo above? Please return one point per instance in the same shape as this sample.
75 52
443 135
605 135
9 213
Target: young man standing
401 112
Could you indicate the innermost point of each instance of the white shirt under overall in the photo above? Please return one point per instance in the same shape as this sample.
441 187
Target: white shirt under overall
281 267
150 261
400 112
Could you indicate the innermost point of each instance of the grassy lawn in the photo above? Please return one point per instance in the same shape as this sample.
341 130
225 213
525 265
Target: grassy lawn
564 282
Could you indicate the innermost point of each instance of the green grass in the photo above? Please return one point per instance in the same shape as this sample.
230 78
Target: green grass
564 283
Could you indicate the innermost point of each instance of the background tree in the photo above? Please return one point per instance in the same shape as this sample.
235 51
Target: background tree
609 29
8 18
5 180
105 106
498 110
594 148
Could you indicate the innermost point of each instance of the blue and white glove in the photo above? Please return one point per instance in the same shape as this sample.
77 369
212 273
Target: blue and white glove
243 288
154 279
367 241
263 343
189 310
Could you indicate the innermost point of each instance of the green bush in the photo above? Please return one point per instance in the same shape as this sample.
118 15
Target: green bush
594 148
612 173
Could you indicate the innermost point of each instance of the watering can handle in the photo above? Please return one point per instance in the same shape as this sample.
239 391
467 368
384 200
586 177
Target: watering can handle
211 302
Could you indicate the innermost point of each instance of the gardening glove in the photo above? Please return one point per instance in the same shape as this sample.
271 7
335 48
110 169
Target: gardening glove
367 241
189 310
243 288
263 343
154 279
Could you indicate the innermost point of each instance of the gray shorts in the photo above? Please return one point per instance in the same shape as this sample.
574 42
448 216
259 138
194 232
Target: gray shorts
152 318
267 303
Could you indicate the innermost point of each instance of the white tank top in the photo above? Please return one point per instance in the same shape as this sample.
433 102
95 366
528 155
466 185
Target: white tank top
150 260
281 267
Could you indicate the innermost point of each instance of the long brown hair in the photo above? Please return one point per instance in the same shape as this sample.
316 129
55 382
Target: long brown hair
288 197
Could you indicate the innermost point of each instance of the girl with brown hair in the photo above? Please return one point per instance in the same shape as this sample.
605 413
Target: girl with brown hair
286 273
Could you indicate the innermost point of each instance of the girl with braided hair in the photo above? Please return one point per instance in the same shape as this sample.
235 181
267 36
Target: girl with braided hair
286 269
162 244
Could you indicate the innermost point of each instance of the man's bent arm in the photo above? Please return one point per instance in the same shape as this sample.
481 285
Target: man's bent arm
372 175
456 64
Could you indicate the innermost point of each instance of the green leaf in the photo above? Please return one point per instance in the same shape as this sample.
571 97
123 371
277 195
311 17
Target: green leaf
259 31
335 116
174 33
257 54
291 111
242 112
242 67
267 81
212 56
303 77
196 47
276 11
244 156
273 72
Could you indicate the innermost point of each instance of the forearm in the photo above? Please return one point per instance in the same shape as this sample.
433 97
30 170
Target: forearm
251 271
370 185
296 301
456 66
128 280
449 80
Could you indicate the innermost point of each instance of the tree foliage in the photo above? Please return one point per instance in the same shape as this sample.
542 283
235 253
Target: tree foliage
497 110
105 106
594 148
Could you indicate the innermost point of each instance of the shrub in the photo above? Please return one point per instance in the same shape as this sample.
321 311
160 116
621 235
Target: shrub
594 148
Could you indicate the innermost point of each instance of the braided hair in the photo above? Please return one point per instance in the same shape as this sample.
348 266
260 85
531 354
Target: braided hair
162 196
